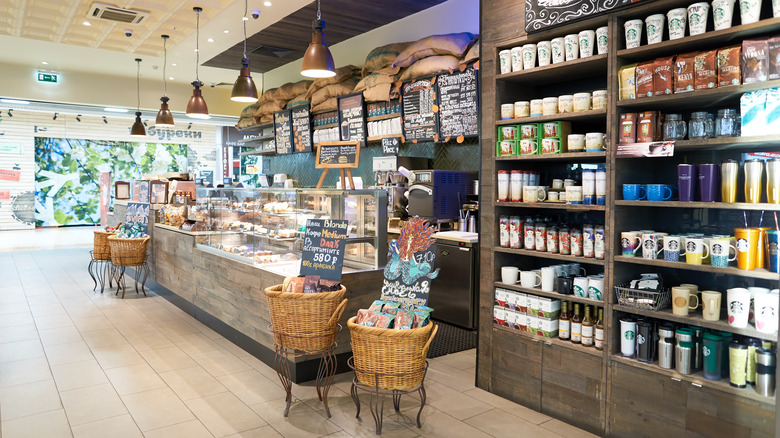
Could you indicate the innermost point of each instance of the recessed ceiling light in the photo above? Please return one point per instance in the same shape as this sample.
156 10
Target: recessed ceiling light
226 31
44 63
195 50
87 23
15 101
170 78
115 110
174 64
267 3
211 40
245 18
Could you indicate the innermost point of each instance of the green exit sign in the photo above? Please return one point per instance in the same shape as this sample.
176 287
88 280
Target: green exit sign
47 77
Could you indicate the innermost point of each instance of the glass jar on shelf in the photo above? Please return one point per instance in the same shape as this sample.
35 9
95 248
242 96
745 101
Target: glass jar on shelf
701 126
727 123
675 127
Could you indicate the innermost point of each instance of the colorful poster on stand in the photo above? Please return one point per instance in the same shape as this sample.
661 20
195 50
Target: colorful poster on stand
408 273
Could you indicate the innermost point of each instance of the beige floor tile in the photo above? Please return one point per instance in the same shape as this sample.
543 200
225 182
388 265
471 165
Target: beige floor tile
68 353
303 422
20 350
224 414
566 430
29 399
91 324
173 327
260 432
157 408
188 429
122 426
193 382
18 333
144 340
227 345
252 387
453 402
114 356
93 403
463 360
497 422
49 309
15 318
134 378
436 423
262 368
103 337
53 321
220 362
194 343
78 375
507 406
20 307
343 416
168 359
451 377
52 424
60 336
273 411
18 372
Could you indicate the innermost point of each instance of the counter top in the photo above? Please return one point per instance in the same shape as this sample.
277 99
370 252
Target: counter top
457 236
179 230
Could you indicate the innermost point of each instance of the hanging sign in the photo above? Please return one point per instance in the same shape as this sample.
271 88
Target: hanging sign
458 105
323 248
283 132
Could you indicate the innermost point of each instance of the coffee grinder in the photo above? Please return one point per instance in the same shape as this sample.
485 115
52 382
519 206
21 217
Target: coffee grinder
395 183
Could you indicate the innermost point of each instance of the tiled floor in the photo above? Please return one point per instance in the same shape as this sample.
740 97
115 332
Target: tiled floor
78 363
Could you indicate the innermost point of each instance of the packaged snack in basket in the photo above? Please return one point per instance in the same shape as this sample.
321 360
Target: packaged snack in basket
404 319
310 284
329 285
391 307
295 285
421 318
383 320
377 305
425 309
366 318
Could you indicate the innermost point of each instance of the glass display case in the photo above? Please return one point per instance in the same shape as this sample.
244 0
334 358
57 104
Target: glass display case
265 226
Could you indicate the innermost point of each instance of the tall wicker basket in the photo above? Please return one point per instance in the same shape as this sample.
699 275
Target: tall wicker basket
305 322
128 252
390 359
101 250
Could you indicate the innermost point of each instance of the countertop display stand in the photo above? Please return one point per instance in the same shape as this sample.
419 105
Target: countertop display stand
601 391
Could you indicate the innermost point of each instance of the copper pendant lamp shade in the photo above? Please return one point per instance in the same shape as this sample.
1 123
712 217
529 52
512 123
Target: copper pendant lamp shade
244 89
317 61
196 107
164 116
138 130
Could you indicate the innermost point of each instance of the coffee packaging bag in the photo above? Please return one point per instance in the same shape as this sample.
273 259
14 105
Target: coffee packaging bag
647 127
663 76
684 72
753 110
644 79
628 128
755 61
772 111
706 70
729 72
627 78
774 58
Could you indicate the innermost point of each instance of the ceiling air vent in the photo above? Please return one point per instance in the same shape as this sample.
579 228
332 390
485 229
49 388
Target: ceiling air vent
278 52
108 12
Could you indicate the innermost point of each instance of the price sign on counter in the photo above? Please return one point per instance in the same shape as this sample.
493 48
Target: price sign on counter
323 248
390 146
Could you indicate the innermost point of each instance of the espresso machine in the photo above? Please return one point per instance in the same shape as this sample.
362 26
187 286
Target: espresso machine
388 178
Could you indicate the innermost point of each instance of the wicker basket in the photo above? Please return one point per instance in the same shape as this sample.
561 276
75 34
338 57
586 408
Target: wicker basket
128 252
388 358
101 250
306 322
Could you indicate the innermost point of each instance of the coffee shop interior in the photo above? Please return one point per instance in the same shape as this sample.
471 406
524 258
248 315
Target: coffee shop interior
511 218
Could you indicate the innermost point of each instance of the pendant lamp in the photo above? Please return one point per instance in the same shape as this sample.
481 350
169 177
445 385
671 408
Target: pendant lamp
244 89
138 127
164 116
318 62
196 107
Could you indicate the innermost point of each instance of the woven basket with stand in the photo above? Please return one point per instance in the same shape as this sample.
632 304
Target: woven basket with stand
390 359
128 252
101 250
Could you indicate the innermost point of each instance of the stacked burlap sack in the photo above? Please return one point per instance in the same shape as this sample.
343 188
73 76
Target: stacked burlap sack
323 93
273 100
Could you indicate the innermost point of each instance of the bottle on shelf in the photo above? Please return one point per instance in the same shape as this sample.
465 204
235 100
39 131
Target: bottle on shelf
564 322
598 336
587 328
576 325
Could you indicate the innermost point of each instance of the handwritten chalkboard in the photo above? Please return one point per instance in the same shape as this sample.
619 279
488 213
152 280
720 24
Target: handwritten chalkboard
390 145
420 111
137 213
301 128
352 123
458 100
323 248
283 132
338 154
543 14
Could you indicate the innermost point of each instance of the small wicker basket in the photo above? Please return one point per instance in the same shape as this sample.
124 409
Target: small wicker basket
128 252
101 250
306 322
388 358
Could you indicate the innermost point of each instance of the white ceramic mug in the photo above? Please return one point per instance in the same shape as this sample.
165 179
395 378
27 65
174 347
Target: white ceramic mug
571 46
566 103
749 11
738 306
529 56
627 337
753 292
581 287
595 140
536 107
633 30
722 13
582 101
776 8
507 111
599 99
558 50
509 274
548 278
522 108
682 298
602 40
574 195
549 106
766 305
698 14
596 287
710 305
576 142
544 53
517 58
676 20
654 26
530 279
505 61
587 39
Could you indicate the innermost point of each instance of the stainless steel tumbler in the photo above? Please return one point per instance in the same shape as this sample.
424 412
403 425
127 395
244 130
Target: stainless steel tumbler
765 372
729 171
773 181
754 172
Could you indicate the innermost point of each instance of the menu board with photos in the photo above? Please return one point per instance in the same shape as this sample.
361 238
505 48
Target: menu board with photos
420 110
458 104
301 128
283 132
338 154
352 123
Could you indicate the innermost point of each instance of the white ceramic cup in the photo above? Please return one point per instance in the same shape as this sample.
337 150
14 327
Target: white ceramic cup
530 279
587 39
580 287
633 30
574 195
602 40
507 111
681 300
536 107
753 292
749 11
548 278
576 142
698 15
552 196
654 26
566 103
722 13
509 274
676 21
558 50
549 106
627 337
738 306
505 61
582 101
595 140
544 53
571 46
529 56
596 287
766 305
599 99
522 109
517 58
776 8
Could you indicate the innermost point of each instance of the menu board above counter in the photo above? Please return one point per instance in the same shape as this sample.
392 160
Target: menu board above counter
420 111
301 128
352 120
458 105
283 132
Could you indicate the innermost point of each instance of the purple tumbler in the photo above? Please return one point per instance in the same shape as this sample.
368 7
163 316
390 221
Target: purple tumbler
686 179
709 182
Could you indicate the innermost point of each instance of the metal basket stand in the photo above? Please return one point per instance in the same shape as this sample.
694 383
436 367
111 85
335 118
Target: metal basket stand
100 270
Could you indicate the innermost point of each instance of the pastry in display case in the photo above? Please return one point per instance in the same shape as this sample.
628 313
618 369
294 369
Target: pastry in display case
265 226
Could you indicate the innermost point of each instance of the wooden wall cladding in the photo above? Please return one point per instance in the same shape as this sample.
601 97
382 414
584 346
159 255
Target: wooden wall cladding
517 369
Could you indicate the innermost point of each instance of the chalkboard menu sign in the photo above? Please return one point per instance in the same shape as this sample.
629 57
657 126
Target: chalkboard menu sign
137 213
301 128
458 99
337 154
352 123
420 111
390 146
543 14
323 248
283 132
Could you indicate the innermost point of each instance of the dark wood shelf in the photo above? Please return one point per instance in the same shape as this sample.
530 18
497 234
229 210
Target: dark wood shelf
326 126
711 39
710 144
697 379
550 255
694 99
597 114
760 274
555 295
383 117
714 205
566 156
552 205
551 341
255 142
256 128
258 152
562 72
697 320
380 137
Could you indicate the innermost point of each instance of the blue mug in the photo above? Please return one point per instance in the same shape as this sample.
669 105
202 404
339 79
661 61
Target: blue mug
634 192
659 192
772 246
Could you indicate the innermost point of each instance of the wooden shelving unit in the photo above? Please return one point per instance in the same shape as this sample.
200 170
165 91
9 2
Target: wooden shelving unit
552 205
566 156
695 99
383 117
591 115
583 67
550 255
761 274
556 295
738 206
551 341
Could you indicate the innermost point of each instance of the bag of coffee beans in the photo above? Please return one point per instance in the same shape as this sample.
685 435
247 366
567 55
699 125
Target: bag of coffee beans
755 61
774 58
663 76
729 71
706 70
644 79
627 79
628 128
684 71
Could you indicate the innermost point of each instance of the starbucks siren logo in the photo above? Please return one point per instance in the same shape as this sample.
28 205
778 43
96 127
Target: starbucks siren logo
742 245
717 249
629 335
673 245
706 351
690 246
